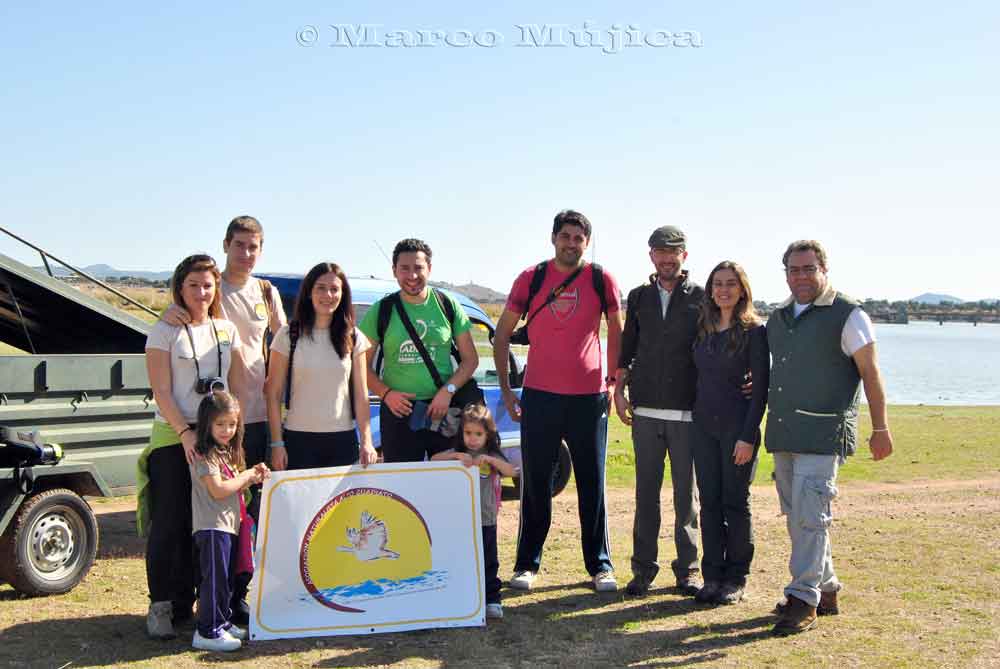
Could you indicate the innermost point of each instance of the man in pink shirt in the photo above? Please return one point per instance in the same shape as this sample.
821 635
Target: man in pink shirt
565 394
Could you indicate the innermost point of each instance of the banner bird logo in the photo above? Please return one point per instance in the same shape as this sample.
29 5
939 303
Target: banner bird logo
368 542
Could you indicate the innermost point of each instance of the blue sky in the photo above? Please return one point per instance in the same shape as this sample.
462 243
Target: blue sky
133 134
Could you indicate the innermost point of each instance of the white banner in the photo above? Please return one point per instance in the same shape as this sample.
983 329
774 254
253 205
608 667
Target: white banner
347 550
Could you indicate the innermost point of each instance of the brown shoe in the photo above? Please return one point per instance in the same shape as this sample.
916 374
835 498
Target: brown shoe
827 605
798 617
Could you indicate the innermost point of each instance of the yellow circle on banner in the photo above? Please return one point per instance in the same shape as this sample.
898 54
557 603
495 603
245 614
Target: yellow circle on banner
367 537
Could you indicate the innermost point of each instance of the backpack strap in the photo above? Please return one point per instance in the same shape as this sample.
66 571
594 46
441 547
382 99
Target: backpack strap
417 341
597 276
537 279
384 316
350 379
293 341
449 312
265 291
553 294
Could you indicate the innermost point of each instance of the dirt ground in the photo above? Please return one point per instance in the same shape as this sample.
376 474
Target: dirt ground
917 561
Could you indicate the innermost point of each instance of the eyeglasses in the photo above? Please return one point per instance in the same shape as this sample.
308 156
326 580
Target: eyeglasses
806 270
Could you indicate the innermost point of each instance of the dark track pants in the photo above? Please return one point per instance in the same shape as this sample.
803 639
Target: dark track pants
217 551
582 421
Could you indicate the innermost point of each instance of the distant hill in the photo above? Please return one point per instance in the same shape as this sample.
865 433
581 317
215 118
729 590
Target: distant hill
936 298
480 294
102 271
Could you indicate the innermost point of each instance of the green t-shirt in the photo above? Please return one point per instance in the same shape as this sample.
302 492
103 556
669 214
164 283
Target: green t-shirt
402 368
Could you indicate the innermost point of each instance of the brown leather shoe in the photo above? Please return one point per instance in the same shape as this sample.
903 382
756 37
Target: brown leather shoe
827 605
798 617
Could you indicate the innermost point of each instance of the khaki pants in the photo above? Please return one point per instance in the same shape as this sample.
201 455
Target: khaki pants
806 486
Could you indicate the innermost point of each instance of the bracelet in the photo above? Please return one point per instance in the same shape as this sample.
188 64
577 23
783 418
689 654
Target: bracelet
186 428
278 444
385 394
881 429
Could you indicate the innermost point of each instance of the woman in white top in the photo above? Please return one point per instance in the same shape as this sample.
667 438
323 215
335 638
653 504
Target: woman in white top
184 363
319 358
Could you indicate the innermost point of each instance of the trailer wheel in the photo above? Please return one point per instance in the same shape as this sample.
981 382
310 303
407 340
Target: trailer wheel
51 543
560 475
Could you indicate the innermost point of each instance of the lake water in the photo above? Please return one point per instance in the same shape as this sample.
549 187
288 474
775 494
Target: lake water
927 363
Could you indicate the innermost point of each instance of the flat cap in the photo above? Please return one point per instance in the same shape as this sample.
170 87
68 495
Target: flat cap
668 235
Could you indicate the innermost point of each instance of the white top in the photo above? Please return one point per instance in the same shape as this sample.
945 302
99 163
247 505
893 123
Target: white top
320 395
245 307
858 330
676 415
664 298
183 373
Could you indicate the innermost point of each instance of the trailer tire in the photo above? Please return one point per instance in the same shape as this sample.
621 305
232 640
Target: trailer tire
50 545
560 475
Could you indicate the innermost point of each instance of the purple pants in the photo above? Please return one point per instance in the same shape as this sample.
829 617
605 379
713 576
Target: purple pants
217 552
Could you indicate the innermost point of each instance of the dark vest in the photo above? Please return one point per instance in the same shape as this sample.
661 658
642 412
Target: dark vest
662 374
814 389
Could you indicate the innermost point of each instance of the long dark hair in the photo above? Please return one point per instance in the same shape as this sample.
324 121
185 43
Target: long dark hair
744 315
212 406
478 413
342 326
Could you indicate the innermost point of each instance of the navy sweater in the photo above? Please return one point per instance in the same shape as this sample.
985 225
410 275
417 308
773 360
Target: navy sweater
720 408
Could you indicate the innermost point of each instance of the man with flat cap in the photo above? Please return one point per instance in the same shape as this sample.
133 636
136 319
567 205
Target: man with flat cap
655 363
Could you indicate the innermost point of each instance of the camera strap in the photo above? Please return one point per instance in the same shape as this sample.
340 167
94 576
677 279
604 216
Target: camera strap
194 349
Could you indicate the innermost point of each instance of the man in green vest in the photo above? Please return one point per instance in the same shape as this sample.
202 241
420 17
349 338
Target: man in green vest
822 348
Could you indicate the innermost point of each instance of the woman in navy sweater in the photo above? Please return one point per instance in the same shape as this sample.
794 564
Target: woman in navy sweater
731 348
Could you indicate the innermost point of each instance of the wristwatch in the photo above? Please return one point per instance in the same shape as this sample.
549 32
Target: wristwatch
451 388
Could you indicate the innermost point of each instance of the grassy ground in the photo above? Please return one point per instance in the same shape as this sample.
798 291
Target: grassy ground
916 540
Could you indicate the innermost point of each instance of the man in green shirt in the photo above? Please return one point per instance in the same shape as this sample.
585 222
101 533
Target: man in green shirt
406 383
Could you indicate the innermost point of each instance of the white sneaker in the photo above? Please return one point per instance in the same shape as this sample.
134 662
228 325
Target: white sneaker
158 623
604 581
522 580
225 643
237 632
494 611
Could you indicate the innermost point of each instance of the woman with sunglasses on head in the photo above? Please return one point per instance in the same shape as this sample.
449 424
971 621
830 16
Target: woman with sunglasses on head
318 363
184 363
731 347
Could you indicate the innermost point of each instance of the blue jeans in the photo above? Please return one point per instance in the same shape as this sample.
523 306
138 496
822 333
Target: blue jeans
582 421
